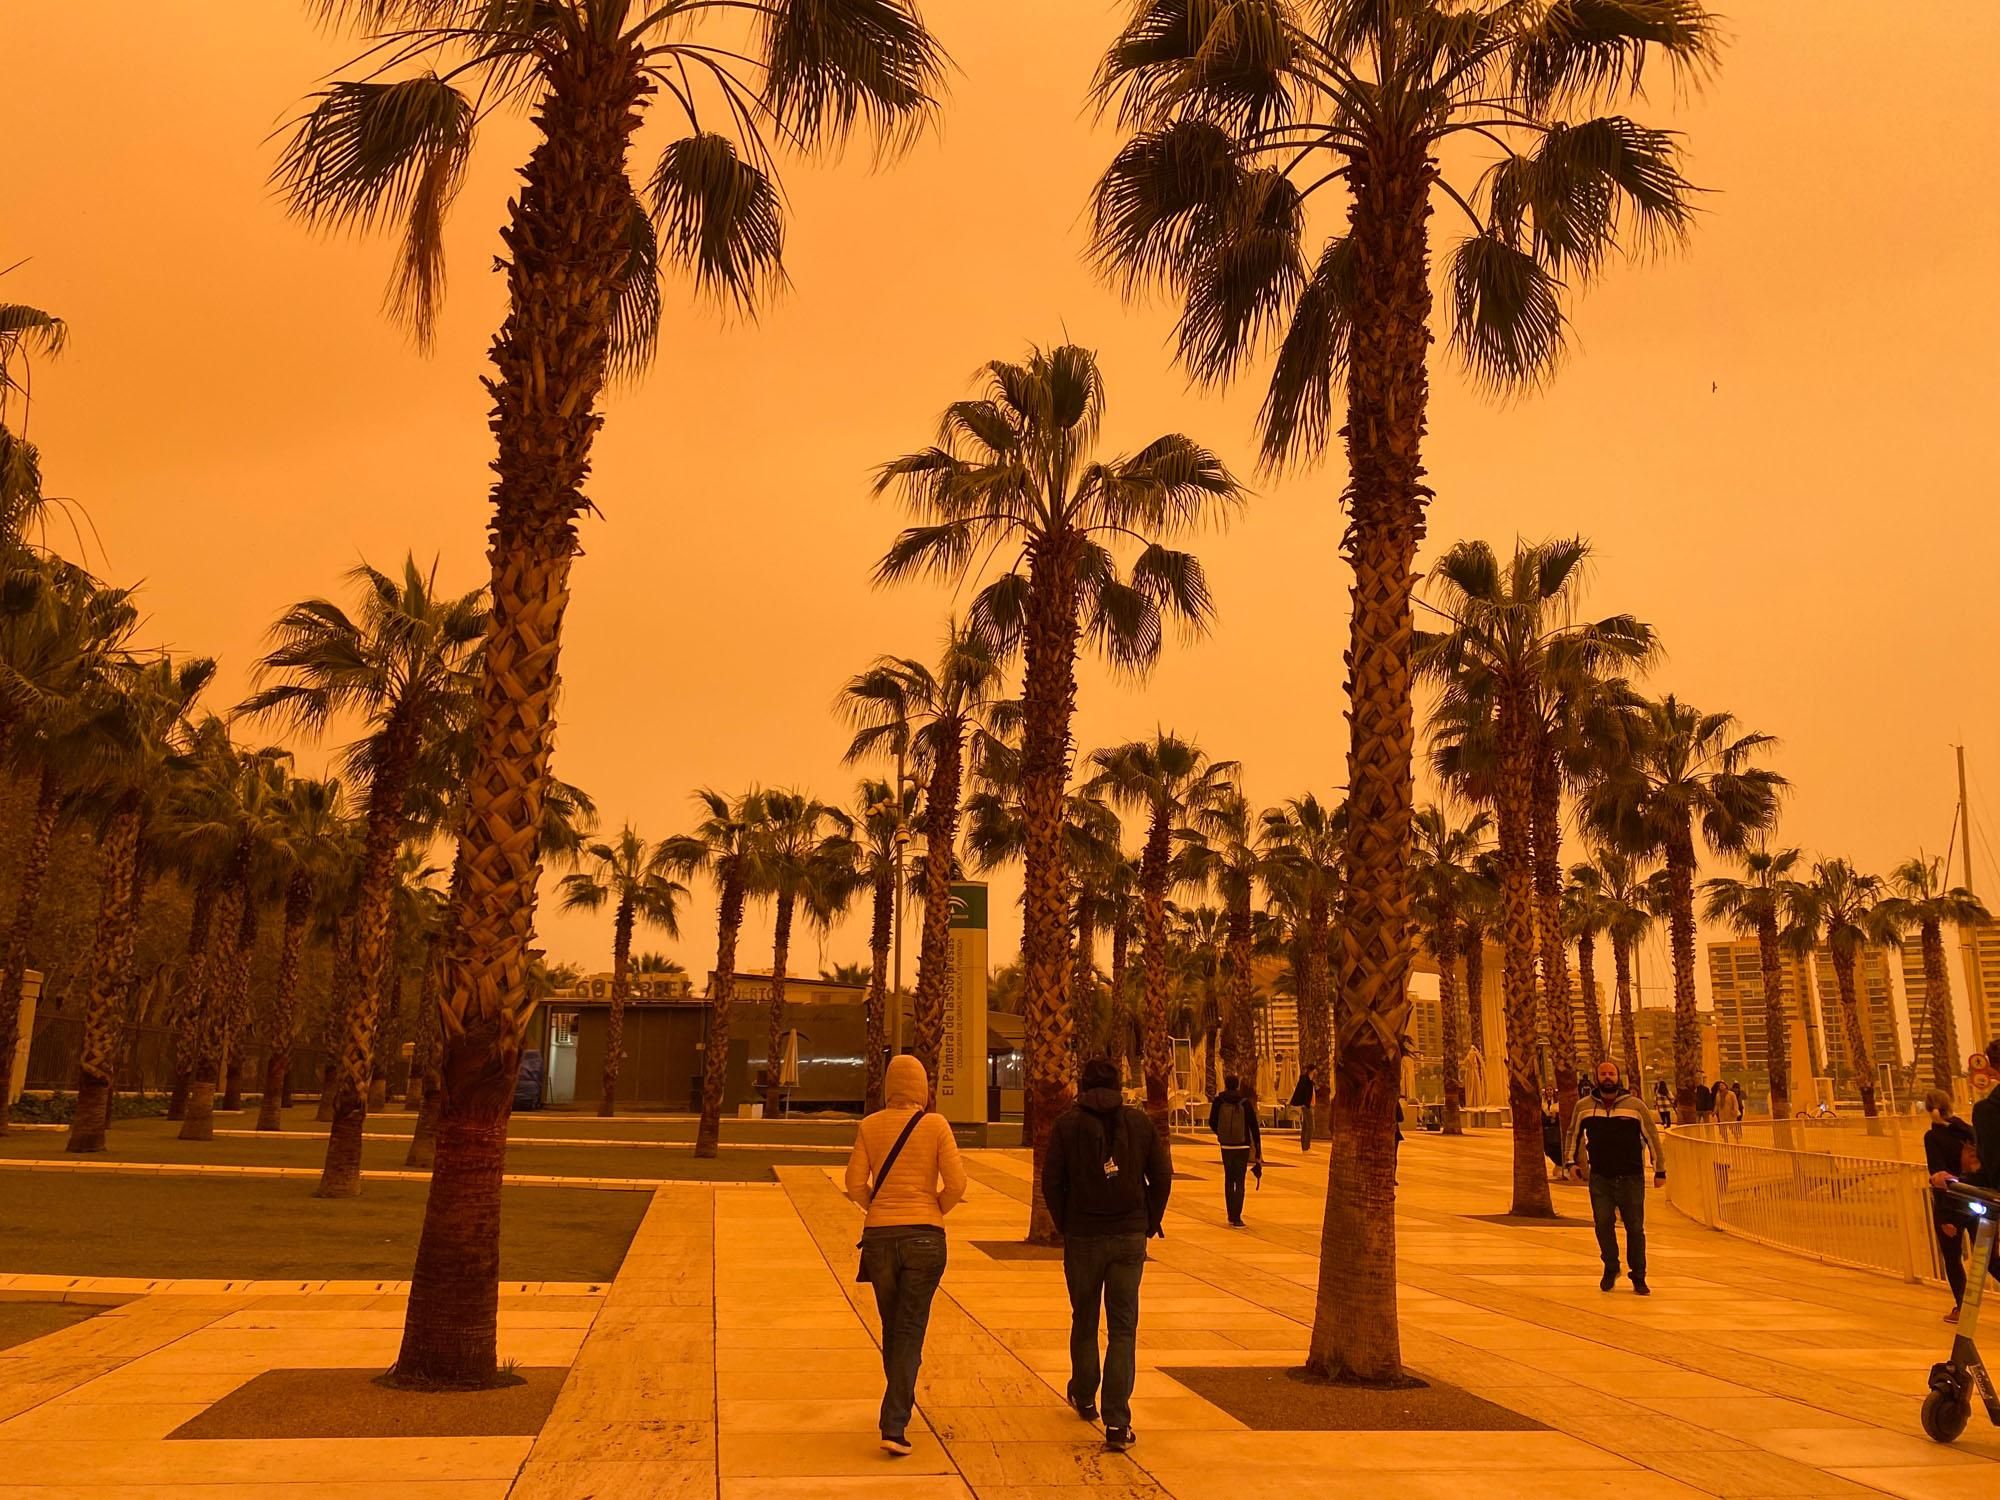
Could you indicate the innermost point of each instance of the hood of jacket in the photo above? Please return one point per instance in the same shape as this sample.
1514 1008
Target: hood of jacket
1101 1101
906 1083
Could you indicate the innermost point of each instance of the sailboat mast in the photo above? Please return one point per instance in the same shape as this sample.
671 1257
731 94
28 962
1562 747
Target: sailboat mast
1964 819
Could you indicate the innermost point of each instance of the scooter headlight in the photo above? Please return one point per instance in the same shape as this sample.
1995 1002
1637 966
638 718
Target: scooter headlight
1978 1209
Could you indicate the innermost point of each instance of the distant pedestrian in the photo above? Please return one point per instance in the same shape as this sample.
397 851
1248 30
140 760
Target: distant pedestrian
1302 1101
1233 1118
1612 1130
1729 1111
905 1170
1552 1133
1106 1179
1663 1102
1704 1104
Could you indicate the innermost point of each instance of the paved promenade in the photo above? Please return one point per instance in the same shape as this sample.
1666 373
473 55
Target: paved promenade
734 1357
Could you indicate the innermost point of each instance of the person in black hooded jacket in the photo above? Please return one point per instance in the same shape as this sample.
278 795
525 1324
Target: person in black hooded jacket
1106 1179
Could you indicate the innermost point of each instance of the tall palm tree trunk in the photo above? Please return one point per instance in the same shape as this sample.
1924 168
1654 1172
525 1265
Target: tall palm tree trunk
1316 999
722 998
1859 1062
236 1007
1355 1334
1777 1024
1558 1015
1937 998
1446 946
423 1138
1680 941
185 1012
1628 1029
285 1003
1085 1041
614 1024
28 899
208 997
334 1026
1048 702
1517 936
1153 878
940 844
1588 998
104 1010
1472 947
340 1177
1241 1040
774 1058
875 1005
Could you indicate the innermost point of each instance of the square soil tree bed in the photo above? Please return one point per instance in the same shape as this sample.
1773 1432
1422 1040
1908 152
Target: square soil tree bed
355 1404
1269 1398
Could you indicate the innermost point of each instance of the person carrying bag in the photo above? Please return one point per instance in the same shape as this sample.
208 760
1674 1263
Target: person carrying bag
905 1170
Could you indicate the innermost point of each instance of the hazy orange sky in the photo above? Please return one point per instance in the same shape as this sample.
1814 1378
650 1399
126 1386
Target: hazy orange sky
1773 440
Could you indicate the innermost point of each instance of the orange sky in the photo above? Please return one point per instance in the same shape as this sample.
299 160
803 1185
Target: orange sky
1772 440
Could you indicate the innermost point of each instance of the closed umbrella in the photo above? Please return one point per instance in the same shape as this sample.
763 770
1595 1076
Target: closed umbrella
788 1065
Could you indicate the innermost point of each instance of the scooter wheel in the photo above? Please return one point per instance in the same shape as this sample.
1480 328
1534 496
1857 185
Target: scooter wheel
1945 1415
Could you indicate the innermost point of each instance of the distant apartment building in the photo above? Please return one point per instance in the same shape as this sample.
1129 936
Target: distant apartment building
1979 948
1742 1033
1875 997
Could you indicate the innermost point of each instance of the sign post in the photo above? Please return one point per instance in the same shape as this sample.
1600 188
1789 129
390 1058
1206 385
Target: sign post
962 1067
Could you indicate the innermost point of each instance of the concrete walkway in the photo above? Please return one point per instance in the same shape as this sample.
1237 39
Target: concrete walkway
734 1356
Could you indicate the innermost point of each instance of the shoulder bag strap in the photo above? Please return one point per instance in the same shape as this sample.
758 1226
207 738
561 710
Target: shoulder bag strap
882 1172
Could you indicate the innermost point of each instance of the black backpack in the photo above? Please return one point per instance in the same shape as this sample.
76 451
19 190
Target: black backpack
1231 1128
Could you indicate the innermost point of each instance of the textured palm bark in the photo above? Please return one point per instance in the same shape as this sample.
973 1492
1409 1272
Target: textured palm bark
875 1004
1158 1048
1859 1061
1472 944
567 246
1777 1024
1446 945
1937 998
715 1055
1048 704
236 1001
1355 1335
427 1087
1517 940
1680 945
285 1003
334 1024
1084 1038
104 1010
941 813
190 1008
27 901
1319 1026
621 991
1587 997
207 998
774 1057
1558 1013
1240 1045
1628 1029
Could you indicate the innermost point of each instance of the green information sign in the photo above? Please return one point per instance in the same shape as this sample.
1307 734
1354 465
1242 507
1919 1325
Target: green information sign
968 905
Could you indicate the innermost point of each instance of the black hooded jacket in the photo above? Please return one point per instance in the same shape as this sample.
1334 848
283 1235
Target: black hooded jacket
1085 1198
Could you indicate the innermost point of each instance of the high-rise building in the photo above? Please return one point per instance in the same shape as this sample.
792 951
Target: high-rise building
1736 985
1875 998
1979 948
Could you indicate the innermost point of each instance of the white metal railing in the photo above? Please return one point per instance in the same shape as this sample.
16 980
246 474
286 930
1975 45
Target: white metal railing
1873 1213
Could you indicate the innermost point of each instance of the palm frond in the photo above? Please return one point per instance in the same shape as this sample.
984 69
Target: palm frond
833 64
1297 418
1506 312
720 217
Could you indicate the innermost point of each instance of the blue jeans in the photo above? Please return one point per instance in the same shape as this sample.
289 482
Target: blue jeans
1620 1197
1104 1269
904 1265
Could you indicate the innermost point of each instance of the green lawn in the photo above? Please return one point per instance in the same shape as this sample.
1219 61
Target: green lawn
111 1224
531 1124
159 1141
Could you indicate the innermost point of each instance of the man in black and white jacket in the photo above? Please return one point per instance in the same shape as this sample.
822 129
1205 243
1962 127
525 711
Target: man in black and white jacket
1614 1129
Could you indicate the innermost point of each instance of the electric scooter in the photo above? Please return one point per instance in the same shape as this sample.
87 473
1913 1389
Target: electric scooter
1949 1405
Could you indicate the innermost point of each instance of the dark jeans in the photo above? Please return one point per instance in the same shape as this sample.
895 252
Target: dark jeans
1104 1269
1955 1249
904 1265
1305 1127
1235 1169
1620 1197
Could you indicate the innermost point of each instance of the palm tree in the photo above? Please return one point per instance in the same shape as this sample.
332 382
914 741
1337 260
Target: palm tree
1307 841
807 855
139 731
1230 853
728 846
1841 902
1198 949
1444 850
1015 475
1762 903
631 877
1920 897
880 819
1676 769
1623 895
405 665
60 634
902 705
1583 918
24 332
1169 782
584 246
1508 656
314 836
1239 116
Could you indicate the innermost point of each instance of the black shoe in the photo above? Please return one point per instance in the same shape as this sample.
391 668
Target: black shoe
1607 1281
1639 1285
1085 1409
1118 1439
896 1444
1235 1223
